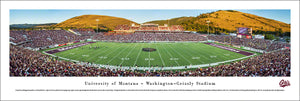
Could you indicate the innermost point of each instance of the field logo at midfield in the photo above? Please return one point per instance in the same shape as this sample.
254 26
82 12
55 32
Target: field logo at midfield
147 59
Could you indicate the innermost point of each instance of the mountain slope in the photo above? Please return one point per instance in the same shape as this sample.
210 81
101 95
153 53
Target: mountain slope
229 20
31 25
174 21
86 21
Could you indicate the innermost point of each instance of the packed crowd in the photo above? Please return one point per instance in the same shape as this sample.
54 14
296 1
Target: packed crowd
176 28
163 28
261 44
150 28
146 37
43 38
124 27
24 62
17 36
268 64
85 32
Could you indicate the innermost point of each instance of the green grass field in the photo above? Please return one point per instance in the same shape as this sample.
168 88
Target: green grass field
166 54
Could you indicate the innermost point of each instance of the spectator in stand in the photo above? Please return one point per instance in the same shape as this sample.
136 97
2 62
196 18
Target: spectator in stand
24 62
261 44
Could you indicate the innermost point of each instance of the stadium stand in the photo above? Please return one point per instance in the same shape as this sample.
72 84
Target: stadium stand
261 44
87 32
18 36
25 62
44 38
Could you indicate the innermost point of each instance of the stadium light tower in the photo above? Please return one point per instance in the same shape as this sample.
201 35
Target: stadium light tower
208 26
97 24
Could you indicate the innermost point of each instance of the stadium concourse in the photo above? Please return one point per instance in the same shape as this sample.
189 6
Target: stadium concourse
26 61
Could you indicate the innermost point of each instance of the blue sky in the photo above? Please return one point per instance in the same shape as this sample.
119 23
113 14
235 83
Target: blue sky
39 16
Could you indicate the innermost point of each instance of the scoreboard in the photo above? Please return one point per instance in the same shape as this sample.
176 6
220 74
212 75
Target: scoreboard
244 30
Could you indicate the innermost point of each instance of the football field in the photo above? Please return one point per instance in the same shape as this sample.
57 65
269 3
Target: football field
166 54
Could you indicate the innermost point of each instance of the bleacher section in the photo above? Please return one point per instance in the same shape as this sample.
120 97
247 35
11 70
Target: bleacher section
45 38
147 28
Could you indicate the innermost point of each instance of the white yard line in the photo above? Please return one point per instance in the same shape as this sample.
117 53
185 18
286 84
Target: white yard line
222 54
160 56
171 56
128 53
180 54
137 57
207 57
192 55
117 55
77 48
179 67
77 55
98 53
204 56
111 52
166 68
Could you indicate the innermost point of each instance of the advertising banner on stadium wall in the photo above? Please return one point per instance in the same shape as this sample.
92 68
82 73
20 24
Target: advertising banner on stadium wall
239 36
62 44
259 37
252 49
248 36
236 46
232 34
76 41
210 40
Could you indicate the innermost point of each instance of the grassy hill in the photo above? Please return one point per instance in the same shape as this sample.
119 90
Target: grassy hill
220 21
174 21
89 21
228 21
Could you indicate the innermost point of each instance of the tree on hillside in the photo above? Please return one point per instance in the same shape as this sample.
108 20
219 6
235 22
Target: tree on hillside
270 36
279 32
287 39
